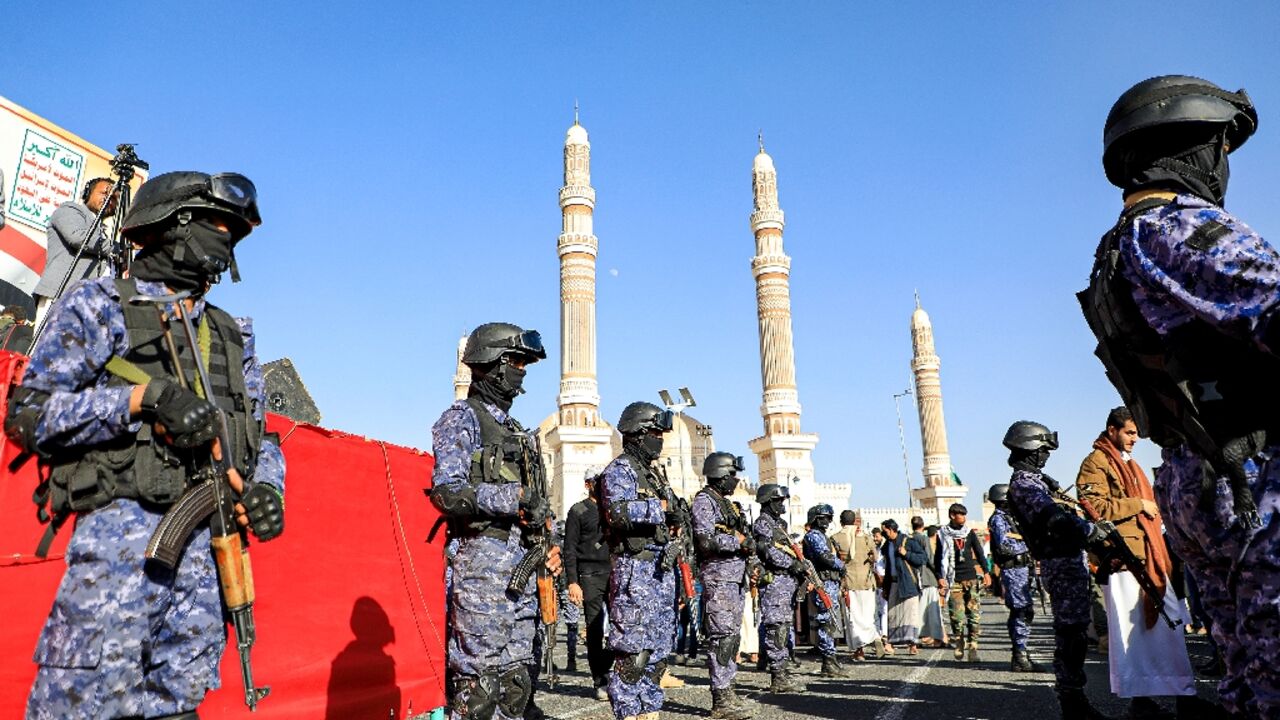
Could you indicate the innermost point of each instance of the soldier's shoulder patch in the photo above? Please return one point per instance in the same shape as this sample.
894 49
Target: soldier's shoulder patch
1209 234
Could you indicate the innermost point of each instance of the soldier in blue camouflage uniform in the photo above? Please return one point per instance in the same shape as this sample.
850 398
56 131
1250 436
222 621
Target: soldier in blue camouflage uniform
1183 299
1057 538
128 637
782 579
724 542
817 550
639 509
486 484
1009 552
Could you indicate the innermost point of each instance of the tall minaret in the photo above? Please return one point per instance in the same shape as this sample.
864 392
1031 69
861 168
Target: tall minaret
783 451
938 491
576 438
462 374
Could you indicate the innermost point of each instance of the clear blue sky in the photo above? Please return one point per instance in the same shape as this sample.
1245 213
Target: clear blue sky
408 157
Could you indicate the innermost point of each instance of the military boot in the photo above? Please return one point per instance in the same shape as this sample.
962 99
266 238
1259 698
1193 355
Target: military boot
722 706
738 701
959 643
1021 662
783 682
972 647
832 668
1075 706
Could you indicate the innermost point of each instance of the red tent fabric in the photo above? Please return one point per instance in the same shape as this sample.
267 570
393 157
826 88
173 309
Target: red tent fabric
350 600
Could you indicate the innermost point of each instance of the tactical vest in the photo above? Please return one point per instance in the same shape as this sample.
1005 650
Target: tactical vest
140 465
1196 384
635 538
506 455
733 520
1004 559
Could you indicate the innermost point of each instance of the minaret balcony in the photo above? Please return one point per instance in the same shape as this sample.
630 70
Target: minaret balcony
762 219
577 195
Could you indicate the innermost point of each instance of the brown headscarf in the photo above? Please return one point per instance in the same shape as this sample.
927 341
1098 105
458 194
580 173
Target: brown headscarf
1136 486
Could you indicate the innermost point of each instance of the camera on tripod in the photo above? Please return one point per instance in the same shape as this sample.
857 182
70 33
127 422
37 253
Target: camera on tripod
126 160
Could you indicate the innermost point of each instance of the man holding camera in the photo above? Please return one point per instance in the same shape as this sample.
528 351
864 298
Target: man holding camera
67 233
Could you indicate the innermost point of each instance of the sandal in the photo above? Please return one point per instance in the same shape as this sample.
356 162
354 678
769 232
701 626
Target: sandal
913 650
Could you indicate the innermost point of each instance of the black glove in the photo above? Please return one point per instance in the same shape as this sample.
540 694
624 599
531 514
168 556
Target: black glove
264 506
676 516
534 508
799 568
1098 535
187 419
748 545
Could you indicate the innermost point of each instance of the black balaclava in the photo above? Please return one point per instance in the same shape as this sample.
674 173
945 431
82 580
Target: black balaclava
1189 158
1029 460
188 256
822 522
725 485
645 446
776 507
499 384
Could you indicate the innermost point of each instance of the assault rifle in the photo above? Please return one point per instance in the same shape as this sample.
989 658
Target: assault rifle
680 547
810 572
1117 550
538 537
210 497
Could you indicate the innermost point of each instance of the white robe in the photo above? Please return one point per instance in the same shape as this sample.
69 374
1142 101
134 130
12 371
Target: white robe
749 637
1145 662
860 615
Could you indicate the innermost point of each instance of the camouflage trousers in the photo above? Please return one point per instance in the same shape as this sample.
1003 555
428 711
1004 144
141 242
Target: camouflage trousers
723 602
1238 573
1016 582
828 621
642 619
1067 582
965 605
490 631
126 637
777 612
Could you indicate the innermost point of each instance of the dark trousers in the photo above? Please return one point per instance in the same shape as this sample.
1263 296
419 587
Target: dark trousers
594 589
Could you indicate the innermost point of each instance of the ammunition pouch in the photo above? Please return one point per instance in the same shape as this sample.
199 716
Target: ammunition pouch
506 455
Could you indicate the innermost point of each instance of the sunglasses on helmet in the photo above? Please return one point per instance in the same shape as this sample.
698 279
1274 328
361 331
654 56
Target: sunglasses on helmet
237 191
528 343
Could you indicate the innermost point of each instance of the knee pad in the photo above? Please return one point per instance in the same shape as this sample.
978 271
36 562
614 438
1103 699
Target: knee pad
481 695
780 634
630 668
725 648
516 687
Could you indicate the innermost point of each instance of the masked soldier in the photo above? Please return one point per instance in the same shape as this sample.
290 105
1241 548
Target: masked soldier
487 484
102 406
783 576
723 542
638 509
1182 299
1057 537
1009 552
817 550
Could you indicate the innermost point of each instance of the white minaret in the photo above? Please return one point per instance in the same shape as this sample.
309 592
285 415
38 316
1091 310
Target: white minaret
462 374
579 439
783 451
939 491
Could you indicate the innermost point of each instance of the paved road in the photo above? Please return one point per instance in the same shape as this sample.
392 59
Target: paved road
929 685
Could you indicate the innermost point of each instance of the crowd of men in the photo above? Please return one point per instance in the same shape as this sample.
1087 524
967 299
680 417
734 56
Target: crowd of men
1182 299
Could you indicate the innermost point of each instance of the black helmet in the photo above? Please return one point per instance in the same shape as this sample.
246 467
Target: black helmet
1175 99
161 197
642 417
1028 435
998 493
489 342
722 464
821 510
769 492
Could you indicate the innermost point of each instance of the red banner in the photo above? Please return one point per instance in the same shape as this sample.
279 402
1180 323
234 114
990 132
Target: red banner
350 600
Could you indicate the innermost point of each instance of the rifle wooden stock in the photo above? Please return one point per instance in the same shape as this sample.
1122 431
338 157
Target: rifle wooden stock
811 576
686 576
